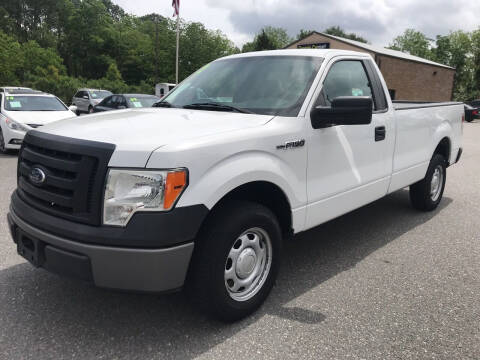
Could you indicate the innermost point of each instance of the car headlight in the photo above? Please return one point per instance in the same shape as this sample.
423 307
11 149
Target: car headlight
15 125
129 191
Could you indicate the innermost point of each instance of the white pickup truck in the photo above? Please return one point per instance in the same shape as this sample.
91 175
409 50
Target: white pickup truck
201 191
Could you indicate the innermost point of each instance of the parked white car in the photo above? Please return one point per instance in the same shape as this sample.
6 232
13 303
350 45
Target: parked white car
86 99
243 154
21 111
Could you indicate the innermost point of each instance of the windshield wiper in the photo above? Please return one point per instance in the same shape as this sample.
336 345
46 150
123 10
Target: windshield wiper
162 104
215 106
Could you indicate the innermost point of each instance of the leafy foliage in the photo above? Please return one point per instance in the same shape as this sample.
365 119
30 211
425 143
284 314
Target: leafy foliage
338 31
269 38
458 49
414 42
60 45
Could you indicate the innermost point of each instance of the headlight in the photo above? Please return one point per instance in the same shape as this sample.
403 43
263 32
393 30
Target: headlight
15 125
129 191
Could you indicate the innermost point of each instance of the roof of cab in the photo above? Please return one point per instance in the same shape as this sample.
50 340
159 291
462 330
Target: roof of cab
28 93
23 91
322 53
91 89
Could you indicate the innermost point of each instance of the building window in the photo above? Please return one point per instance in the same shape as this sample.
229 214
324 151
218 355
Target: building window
322 45
392 93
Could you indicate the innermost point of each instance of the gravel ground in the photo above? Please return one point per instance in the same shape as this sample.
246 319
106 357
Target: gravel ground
383 282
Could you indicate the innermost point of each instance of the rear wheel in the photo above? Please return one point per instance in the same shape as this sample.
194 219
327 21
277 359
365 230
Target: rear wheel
426 194
236 260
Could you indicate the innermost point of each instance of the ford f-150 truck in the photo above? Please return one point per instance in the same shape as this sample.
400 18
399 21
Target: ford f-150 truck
201 191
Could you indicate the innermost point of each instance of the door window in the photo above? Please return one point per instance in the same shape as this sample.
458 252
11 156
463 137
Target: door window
108 102
121 101
116 101
346 78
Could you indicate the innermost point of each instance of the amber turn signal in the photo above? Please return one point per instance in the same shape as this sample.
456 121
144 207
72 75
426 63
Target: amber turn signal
174 185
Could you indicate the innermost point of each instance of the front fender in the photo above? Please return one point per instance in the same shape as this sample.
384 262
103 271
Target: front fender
239 169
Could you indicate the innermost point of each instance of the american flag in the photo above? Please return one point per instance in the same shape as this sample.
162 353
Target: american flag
176 7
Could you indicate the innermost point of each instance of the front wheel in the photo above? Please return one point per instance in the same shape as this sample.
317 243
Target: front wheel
236 260
426 194
3 148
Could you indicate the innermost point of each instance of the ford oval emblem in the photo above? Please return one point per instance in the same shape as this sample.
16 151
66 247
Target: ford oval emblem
37 176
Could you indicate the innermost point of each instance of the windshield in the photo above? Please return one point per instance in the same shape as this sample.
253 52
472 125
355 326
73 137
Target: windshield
100 94
33 103
270 85
139 102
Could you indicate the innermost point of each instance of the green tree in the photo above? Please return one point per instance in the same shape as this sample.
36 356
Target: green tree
199 46
455 49
303 34
338 31
268 38
475 61
36 58
10 54
413 42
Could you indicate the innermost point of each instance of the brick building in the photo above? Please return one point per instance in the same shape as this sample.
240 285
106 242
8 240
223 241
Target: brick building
408 77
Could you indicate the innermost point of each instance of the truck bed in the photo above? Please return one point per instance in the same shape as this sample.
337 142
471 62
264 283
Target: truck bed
404 105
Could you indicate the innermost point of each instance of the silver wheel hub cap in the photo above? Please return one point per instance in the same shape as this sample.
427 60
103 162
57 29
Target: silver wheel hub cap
248 264
437 183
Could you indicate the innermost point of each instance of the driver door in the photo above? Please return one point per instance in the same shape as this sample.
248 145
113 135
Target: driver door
348 165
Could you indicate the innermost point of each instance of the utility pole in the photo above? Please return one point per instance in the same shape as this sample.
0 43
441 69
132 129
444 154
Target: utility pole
178 45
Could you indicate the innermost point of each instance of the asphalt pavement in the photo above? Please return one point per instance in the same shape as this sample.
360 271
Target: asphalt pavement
382 282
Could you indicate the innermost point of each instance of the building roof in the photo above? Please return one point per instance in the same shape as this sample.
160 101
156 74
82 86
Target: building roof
379 50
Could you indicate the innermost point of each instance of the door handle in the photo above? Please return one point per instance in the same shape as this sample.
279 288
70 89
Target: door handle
380 133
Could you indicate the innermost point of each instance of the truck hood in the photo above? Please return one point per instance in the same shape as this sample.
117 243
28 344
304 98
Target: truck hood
38 117
138 132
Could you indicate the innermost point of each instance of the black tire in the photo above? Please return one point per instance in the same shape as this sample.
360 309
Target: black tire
77 112
3 149
207 283
421 195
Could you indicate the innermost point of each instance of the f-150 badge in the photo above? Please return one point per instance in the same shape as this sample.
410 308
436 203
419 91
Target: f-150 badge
291 144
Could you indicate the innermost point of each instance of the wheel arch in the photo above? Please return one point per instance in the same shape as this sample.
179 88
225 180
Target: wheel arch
442 141
444 148
265 193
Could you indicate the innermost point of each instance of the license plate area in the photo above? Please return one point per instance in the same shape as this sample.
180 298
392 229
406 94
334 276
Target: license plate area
30 248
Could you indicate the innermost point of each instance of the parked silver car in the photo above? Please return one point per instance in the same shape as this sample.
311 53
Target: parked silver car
86 99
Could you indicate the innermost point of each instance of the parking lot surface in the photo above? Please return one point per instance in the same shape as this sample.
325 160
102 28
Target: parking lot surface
383 282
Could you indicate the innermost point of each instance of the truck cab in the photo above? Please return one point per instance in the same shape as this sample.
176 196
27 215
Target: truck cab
200 192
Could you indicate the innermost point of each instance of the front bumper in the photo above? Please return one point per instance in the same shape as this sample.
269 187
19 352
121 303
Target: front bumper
13 138
123 268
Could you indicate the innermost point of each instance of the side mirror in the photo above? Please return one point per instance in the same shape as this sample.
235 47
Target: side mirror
345 110
85 97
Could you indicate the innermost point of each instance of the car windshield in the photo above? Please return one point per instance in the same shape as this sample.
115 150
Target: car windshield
33 103
99 94
141 101
270 85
